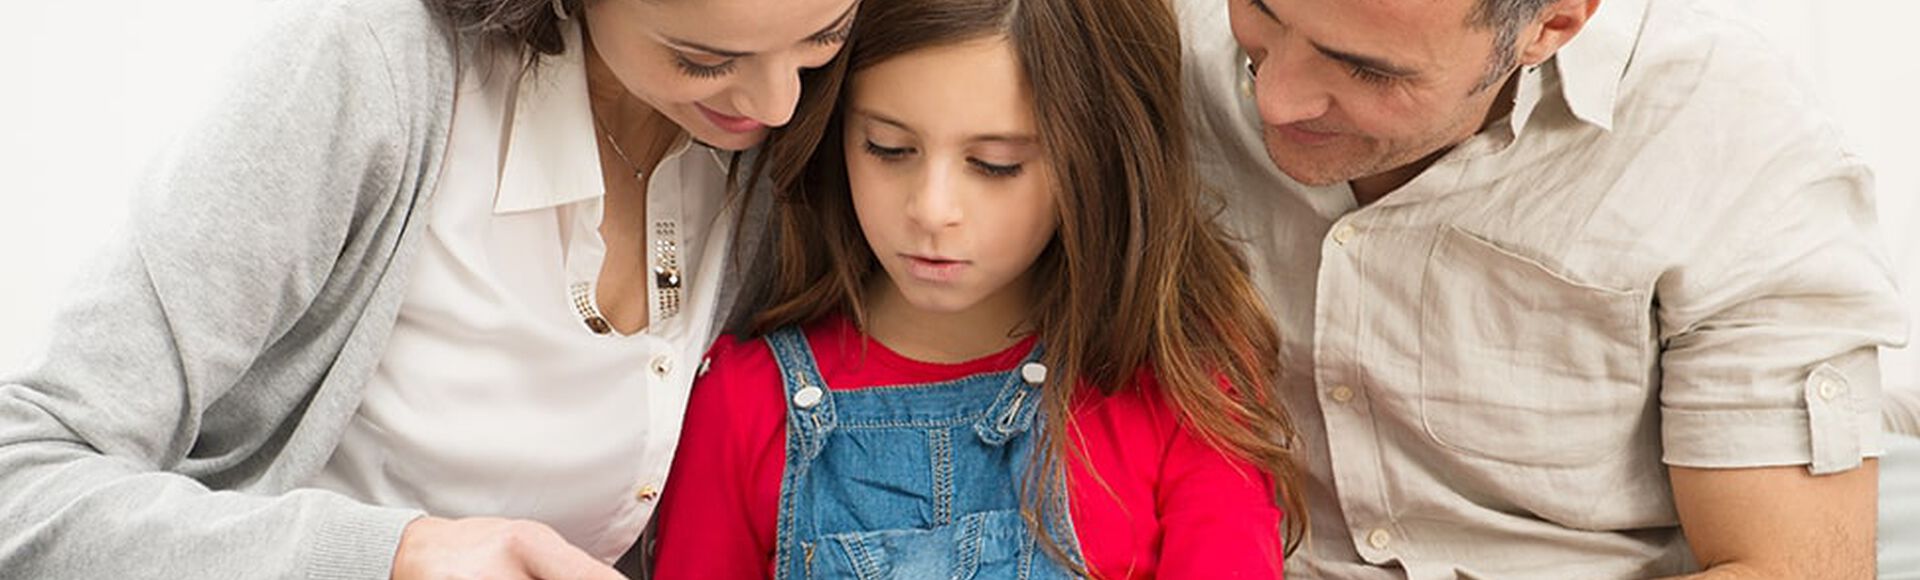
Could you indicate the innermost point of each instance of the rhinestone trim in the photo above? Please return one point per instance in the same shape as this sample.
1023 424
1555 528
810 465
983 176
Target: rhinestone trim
666 276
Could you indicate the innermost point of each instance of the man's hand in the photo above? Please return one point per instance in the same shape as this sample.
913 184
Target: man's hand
491 548
1779 522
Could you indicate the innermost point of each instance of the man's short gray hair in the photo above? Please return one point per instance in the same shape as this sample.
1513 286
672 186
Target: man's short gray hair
1506 18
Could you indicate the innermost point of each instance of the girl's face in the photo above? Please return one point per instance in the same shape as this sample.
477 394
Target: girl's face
948 176
724 70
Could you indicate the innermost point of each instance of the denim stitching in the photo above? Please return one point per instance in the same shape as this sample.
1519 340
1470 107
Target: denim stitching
1027 548
969 545
864 564
888 425
940 447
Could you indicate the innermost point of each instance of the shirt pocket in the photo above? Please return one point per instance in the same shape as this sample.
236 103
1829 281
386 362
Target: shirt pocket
1521 364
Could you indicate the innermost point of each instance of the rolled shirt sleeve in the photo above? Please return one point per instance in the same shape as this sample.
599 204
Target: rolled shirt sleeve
1771 341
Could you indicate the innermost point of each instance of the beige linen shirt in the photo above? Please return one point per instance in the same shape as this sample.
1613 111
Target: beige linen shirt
1662 257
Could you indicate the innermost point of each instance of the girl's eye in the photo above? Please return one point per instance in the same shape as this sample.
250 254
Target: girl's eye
887 153
994 170
702 71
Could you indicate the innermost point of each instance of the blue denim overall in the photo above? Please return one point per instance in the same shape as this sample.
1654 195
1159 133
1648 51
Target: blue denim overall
907 481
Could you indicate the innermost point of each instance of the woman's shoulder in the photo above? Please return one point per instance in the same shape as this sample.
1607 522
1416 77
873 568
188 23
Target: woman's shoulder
403 40
386 19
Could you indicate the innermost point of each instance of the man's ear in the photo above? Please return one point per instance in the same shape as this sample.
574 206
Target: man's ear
1556 26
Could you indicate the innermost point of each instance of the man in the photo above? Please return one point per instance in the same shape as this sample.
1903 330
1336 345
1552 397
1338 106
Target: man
1569 288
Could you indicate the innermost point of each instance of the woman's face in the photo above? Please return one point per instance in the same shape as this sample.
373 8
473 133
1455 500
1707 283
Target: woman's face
724 70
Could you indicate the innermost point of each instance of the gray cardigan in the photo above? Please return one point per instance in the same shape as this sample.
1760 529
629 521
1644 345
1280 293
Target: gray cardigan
208 361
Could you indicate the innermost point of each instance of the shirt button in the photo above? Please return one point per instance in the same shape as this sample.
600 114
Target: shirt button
1342 394
1379 539
662 365
646 493
1343 234
1829 389
705 363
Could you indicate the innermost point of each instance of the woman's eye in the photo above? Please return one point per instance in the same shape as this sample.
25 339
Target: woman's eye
697 70
835 37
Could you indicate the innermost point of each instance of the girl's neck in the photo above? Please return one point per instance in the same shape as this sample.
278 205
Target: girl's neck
993 325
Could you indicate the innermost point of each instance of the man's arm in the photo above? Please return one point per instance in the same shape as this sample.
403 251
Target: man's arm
1779 522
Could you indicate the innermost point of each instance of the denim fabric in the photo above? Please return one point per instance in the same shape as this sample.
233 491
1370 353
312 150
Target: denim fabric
907 481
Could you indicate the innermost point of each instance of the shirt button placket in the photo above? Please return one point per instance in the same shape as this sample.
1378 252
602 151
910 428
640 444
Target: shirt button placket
1354 445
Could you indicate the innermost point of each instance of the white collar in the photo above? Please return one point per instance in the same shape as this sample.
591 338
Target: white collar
1591 66
551 156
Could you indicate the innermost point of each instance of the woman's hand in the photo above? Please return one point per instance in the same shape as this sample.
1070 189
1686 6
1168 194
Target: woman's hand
492 548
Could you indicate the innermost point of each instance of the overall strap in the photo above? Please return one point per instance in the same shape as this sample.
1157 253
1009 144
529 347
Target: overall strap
809 420
1013 410
810 415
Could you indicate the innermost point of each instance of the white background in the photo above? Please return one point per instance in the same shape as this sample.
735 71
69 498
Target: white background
91 89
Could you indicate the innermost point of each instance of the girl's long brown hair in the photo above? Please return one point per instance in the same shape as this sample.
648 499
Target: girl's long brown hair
1137 277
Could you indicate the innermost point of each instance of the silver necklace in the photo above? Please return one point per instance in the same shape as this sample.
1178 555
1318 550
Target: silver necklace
666 275
639 176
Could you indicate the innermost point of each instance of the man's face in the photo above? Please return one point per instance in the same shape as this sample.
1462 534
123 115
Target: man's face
1350 89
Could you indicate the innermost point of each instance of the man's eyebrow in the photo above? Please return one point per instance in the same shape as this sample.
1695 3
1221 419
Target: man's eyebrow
1373 63
1261 5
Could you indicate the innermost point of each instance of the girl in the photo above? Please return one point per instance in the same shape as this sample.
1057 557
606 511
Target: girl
453 258
1002 340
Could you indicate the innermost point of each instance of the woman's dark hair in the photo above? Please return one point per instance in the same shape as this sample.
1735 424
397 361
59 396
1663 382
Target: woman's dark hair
532 24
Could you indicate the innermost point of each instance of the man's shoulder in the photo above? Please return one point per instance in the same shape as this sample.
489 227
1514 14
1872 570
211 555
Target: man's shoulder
1705 63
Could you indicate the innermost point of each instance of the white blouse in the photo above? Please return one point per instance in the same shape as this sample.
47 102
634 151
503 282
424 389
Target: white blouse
495 397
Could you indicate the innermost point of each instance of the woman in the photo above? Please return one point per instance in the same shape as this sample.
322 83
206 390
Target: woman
444 257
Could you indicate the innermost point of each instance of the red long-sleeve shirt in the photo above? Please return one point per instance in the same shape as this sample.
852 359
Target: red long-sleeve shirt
1177 507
